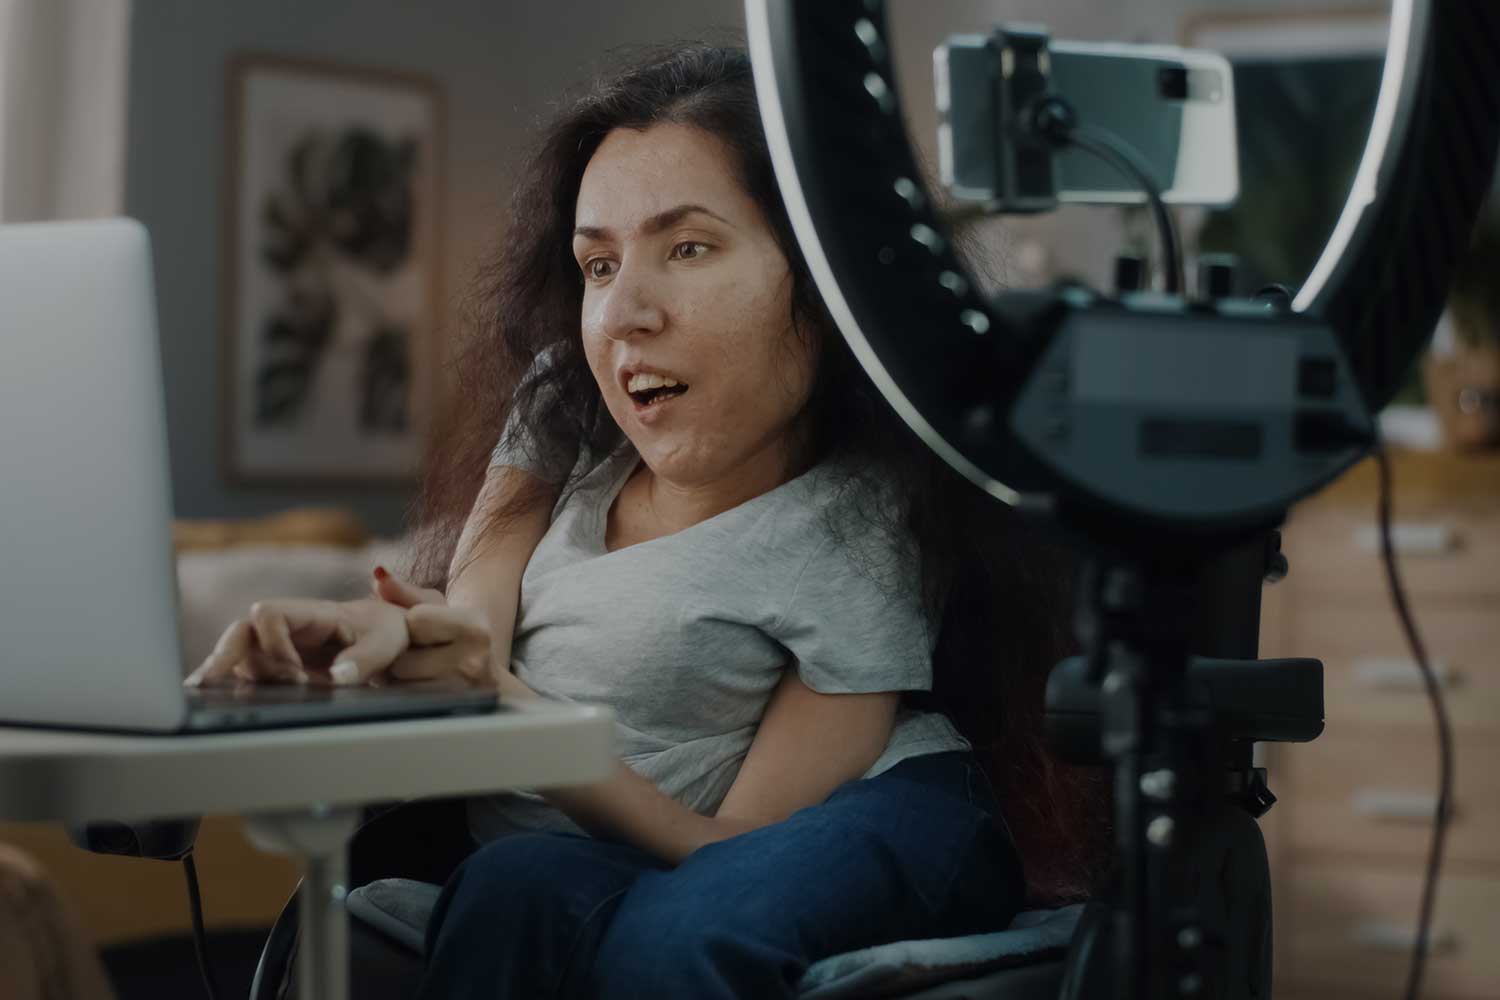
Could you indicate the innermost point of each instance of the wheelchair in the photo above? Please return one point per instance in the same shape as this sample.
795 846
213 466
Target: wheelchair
403 852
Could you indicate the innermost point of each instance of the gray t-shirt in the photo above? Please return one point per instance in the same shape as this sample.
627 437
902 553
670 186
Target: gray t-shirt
685 637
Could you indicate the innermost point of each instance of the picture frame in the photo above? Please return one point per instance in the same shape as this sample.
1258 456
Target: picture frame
331 283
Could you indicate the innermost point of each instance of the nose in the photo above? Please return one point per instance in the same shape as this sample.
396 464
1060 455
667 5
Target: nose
630 306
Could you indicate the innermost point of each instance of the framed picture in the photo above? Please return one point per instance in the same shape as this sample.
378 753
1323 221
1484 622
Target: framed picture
331 285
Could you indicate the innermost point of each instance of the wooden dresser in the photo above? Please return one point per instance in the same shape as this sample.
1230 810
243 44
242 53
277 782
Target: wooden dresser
1349 835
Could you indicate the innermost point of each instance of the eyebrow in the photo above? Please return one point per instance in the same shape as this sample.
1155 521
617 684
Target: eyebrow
655 224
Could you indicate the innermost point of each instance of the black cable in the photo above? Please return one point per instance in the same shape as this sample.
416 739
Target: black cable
1054 118
1114 150
1440 714
200 939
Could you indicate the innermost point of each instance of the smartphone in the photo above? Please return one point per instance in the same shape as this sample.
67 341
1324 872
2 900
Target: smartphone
1174 106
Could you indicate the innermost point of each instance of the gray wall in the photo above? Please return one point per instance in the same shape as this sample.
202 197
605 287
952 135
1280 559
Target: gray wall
500 63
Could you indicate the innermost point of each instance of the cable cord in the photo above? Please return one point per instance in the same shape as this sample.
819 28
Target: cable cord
1055 119
1440 715
200 938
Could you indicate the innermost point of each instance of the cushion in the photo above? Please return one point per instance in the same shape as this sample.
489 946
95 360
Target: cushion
899 968
400 908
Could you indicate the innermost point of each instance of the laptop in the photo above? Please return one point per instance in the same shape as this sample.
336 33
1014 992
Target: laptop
89 628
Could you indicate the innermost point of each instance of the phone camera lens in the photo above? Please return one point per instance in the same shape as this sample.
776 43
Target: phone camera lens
1172 82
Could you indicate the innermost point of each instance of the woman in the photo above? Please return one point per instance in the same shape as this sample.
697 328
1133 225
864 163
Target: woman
700 513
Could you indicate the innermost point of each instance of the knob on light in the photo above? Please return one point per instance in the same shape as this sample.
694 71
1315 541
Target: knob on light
1216 275
1130 274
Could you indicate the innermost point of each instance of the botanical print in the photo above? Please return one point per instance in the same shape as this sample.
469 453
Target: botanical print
333 258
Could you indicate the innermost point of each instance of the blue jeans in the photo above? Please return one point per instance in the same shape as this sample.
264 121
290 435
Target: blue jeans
914 852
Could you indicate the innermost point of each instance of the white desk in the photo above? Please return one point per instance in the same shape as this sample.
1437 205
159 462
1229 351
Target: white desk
301 789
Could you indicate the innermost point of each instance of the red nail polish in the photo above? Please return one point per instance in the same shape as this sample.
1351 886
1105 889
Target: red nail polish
380 572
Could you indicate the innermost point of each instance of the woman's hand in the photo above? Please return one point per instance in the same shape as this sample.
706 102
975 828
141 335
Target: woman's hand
402 594
445 640
300 640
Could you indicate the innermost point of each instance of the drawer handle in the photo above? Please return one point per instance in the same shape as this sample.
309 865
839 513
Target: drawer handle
1410 538
1396 804
1390 935
1381 674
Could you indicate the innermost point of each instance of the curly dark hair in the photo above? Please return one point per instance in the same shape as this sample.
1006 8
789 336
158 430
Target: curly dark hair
999 588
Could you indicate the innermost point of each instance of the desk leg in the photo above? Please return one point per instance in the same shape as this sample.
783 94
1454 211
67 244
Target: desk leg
319 838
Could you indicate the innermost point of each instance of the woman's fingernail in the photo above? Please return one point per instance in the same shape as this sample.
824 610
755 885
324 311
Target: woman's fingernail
380 572
344 672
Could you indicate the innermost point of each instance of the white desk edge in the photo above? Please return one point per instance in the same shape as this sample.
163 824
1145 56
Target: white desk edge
64 776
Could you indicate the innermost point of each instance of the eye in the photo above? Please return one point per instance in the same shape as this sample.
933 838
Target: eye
701 249
591 268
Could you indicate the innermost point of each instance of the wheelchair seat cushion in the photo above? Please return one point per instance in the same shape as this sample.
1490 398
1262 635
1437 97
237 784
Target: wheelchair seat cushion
397 907
400 908
904 966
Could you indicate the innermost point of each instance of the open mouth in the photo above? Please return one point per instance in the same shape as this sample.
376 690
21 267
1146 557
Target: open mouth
654 397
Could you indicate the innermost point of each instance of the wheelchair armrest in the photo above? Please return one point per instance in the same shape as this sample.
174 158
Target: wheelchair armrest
1274 700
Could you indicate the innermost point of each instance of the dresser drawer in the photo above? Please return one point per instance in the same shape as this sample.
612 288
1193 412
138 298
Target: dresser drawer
1350 930
1370 675
1336 552
1372 793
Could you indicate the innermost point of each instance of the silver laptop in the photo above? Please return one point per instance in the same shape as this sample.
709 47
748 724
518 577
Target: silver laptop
88 586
